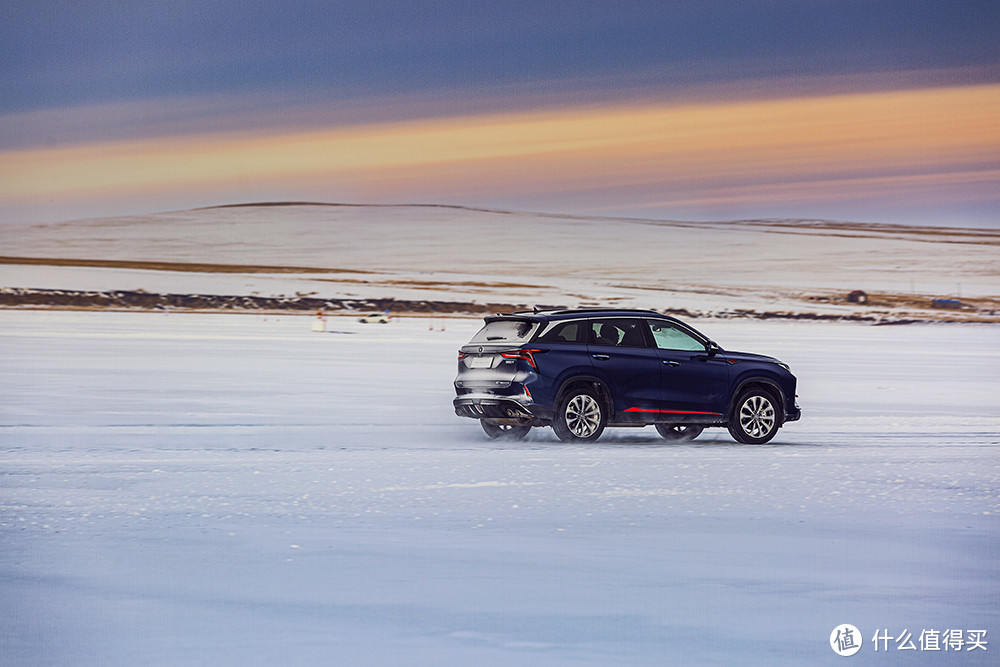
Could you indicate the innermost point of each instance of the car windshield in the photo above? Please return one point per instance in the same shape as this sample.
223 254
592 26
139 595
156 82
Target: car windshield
505 331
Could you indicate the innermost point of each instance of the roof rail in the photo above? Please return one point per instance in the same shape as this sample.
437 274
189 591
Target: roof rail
580 311
611 309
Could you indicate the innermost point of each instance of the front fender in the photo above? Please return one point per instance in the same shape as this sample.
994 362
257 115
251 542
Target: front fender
767 381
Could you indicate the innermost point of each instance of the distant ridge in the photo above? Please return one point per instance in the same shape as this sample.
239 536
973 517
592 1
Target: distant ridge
457 207
453 207
931 234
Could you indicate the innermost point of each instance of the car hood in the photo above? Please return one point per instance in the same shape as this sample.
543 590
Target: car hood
747 356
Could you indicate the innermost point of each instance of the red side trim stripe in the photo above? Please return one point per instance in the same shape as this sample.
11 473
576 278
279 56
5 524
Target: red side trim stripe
673 412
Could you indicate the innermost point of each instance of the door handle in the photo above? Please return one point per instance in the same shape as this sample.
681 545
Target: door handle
601 357
671 362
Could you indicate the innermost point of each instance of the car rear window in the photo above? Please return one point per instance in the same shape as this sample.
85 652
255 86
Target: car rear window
506 331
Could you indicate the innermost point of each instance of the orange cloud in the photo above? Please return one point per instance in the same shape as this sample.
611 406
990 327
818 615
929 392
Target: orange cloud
918 188
748 149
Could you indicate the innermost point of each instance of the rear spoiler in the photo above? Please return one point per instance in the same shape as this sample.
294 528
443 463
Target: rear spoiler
513 317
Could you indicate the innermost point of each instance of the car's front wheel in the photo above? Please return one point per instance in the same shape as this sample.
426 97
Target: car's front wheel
756 418
679 432
581 416
504 431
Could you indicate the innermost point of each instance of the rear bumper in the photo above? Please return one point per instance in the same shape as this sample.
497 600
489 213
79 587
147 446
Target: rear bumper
486 406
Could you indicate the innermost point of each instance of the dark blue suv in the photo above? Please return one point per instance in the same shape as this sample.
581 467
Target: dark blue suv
580 371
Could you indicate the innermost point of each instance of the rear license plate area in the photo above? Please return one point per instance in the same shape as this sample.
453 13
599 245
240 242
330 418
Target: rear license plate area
480 362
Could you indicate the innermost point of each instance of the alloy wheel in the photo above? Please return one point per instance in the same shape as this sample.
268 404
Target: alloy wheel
757 416
583 415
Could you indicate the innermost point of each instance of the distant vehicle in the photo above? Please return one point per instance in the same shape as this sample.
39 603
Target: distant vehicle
375 318
580 371
950 304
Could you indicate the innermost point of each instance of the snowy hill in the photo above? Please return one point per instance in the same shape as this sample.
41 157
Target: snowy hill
454 254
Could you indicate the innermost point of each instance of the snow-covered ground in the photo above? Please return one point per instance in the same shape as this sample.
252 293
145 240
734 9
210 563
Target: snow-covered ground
449 253
237 489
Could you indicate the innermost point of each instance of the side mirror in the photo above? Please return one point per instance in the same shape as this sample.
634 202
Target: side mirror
712 348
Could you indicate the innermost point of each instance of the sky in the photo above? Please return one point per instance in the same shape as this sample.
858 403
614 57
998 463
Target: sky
868 110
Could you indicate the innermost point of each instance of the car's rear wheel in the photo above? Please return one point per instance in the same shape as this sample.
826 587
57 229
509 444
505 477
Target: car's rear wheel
756 418
504 431
679 432
581 416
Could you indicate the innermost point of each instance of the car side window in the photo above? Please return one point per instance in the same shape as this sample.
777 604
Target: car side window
564 332
666 336
617 333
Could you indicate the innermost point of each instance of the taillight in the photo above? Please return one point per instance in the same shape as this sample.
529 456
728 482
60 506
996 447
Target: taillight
526 355
462 355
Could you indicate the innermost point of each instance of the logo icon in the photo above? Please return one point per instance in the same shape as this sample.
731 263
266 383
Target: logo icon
845 639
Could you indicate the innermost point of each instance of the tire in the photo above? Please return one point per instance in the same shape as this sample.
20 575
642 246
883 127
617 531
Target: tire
679 432
755 417
504 431
581 416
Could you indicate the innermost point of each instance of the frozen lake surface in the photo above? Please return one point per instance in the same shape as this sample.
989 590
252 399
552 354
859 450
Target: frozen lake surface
237 489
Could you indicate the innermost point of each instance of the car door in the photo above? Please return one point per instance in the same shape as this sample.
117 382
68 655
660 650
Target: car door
623 359
562 353
694 382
